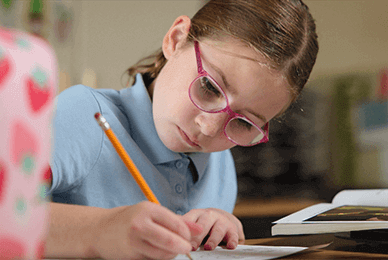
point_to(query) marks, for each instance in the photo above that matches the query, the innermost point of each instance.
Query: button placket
(178, 182)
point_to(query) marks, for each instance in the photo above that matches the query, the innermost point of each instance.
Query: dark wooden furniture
(338, 249)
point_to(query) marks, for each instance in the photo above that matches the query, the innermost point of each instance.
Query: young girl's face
(252, 88)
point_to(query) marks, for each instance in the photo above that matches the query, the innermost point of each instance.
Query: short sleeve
(77, 138)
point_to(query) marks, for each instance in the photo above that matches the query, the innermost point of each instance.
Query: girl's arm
(71, 230)
(144, 230)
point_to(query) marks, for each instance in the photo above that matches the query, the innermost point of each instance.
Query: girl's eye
(208, 87)
(244, 124)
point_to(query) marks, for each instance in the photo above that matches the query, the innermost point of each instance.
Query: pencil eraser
(97, 115)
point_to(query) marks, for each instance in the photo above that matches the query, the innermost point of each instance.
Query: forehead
(254, 84)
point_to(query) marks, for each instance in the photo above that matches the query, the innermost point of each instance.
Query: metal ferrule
(103, 123)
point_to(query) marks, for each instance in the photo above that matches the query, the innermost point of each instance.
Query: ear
(176, 35)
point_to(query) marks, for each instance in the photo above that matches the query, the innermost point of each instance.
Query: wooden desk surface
(272, 207)
(339, 249)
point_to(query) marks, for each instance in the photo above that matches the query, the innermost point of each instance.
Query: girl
(218, 80)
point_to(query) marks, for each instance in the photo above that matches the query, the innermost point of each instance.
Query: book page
(351, 213)
(306, 213)
(243, 252)
(366, 197)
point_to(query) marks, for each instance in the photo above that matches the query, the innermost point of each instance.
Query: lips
(187, 138)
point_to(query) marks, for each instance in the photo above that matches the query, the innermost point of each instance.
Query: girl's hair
(281, 30)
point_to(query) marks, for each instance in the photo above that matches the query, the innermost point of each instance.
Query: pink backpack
(28, 82)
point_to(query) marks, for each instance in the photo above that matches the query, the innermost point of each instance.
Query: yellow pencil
(127, 161)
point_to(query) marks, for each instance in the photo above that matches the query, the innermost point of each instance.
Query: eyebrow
(227, 86)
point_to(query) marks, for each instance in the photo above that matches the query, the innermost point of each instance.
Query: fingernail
(208, 246)
(194, 246)
(231, 245)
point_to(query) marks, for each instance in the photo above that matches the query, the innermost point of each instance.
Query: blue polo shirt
(88, 171)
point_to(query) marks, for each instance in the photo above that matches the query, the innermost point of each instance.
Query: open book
(350, 210)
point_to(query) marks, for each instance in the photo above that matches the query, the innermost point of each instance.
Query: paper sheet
(363, 197)
(243, 252)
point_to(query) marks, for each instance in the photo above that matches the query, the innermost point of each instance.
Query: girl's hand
(219, 225)
(143, 231)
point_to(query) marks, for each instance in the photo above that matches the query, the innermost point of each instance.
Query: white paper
(363, 197)
(243, 252)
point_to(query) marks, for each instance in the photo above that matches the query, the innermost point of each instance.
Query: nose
(211, 124)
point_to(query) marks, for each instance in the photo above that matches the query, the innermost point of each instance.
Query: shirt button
(178, 188)
(179, 164)
(179, 212)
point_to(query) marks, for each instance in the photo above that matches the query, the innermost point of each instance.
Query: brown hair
(282, 30)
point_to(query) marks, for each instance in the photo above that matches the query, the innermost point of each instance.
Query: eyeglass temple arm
(266, 131)
(198, 57)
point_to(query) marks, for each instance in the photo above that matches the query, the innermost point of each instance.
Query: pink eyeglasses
(208, 96)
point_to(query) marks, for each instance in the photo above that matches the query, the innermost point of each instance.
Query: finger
(232, 239)
(175, 223)
(217, 234)
(142, 248)
(206, 221)
(240, 231)
(150, 251)
(164, 239)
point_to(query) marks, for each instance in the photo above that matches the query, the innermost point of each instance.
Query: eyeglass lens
(206, 94)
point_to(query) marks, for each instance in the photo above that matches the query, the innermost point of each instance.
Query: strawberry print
(47, 175)
(23, 148)
(39, 90)
(3, 179)
(11, 248)
(23, 43)
(45, 184)
(20, 206)
(5, 67)
(6, 36)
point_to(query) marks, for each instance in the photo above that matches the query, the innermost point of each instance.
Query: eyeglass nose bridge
(231, 114)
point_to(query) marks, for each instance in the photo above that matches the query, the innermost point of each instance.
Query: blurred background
(334, 137)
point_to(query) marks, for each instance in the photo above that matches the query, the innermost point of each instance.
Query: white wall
(110, 36)
(353, 35)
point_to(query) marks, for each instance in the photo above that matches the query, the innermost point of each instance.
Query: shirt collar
(200, 161)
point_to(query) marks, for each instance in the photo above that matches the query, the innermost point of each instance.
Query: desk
(339, 249)
(271, 207)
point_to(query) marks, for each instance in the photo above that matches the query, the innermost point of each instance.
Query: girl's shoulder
(82, 93)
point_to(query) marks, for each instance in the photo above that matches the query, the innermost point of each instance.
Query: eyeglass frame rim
(231, 114)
